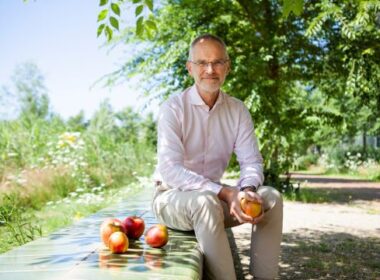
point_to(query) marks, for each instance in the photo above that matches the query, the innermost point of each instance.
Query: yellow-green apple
(135, 226)
(251, 208)
(157, 236)
(110, 226)
(118, 242)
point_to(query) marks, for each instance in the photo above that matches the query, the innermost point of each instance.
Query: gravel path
(339, 240)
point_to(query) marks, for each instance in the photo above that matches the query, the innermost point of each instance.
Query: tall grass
(43, 161)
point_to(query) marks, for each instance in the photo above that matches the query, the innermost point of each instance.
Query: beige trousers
(203, 212)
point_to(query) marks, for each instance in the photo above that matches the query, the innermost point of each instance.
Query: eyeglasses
(217, 64)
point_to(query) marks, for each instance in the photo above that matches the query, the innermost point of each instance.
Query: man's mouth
(210, 78)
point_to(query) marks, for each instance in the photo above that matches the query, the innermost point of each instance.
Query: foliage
(272, 68)
(109, 16)
(19, 225)
(303, 162)
(352, 160)
(349, 32)
(294, 73)
(47, 161)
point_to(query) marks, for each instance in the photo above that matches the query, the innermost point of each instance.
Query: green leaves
(151, 24)
(114, 22)
(100, 29)
(140, 26)
(111, 13)
(139, 10)
(109, 18)
(103, 2)
(149, 4)
(102, 15)
(295, 6)
(115, 8)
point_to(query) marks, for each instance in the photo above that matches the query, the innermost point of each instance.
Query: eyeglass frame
(214, 64)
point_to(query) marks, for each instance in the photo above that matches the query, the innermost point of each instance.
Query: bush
(352, 160)
(305, 161)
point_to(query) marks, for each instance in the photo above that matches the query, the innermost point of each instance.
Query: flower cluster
(68, 152)
(353, 161)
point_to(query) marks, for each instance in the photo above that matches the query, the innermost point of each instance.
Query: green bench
(76, 252)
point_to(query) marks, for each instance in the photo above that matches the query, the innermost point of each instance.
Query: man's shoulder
(175, 102)
(233, 101)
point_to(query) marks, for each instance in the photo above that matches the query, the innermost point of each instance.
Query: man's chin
(210, 87)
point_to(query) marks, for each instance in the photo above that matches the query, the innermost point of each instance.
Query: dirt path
(338, 240)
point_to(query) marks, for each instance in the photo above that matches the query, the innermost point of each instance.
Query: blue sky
(59, 36)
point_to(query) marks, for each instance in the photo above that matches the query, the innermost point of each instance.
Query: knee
(272, 197)
(208, 204)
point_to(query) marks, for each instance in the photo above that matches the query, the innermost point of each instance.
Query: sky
(59, 36)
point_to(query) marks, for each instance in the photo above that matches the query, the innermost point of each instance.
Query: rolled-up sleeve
(247, 152)
(170, 154)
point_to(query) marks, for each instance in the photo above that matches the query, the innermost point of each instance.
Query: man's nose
(210, 67)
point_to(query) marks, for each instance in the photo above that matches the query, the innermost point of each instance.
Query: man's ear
(228, 67)
(189, 68)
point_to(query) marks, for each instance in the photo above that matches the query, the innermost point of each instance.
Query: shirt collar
(196, 99)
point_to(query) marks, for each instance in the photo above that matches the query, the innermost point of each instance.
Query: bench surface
(76, 252)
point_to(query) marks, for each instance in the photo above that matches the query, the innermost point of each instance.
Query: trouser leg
(202, 212)
(266, 236)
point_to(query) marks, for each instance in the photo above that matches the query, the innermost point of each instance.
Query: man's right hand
(232, 196)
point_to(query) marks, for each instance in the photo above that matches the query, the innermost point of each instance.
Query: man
(198, 130)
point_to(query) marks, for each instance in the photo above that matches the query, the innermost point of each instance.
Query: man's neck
(209, 97)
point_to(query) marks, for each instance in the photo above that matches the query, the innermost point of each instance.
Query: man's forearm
(227, 192)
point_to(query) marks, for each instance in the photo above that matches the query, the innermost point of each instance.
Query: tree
(110, 15)
(31, 92)
(302, 77)
(349, 32)
(273, 66)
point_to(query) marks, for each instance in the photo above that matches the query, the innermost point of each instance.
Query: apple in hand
(135, 226)
(251, 208)
(110, 226)
(157, 236)
(118, 242)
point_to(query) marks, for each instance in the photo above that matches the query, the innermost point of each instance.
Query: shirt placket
(207, 141)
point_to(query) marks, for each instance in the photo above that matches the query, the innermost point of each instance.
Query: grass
(52, 174)
(25, 226)
(371, 173)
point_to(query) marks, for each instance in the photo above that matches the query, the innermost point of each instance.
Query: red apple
(110, 226)
(135, 226)
(157, 236)
(118, 242)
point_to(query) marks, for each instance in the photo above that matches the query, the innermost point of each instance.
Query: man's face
(209, 66)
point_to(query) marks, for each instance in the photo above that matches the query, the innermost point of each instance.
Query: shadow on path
(313, 254)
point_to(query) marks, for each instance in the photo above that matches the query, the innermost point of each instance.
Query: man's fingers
(241, 216)
(252, 196)
(258, 219)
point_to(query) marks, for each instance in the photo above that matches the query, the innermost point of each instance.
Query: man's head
(208, 63)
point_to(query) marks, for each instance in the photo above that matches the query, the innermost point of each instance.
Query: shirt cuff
(211, 186)
(249, 182)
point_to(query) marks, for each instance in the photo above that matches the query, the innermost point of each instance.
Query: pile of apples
(115, 233)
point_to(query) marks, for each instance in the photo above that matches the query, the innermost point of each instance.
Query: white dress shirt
(195, 143)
